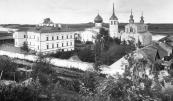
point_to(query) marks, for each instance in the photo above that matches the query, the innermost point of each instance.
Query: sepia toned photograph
(86, 50)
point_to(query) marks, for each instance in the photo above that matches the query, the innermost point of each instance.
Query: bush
(63, 55)
(86, 55)
(25, 47)
(7, 68)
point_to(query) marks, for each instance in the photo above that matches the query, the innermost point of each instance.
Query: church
(90, 33)
(137, 32)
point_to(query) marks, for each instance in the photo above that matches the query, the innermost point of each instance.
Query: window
(67, 43)
(37, 38)
(47, 46)
(47, 38)
(131, 29)
(24, 36)
(57, 37)
(71, 43)
(62, 37)
(67, 36)
(71, 36)
(52, 38)
(38, 47)
(52, 45)
(57, 45)
(62, 44)
(114, 22)
(34, 36)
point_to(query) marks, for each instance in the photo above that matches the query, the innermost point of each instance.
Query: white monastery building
(46, 38)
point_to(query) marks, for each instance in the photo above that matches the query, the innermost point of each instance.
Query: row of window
(31, 37)
(57, 45)
(62, 37)
(113, 22)
(47, 38)
(130, 30)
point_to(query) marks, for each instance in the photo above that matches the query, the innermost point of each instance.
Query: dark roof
(167, 39)
(150, 52)
(113, 17)
(98, 19)
(45, 29)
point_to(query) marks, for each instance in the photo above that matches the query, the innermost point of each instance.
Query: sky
(83, 11)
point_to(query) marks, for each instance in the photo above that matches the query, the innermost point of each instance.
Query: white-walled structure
(90, 33)
(137, 32)
(46, 39)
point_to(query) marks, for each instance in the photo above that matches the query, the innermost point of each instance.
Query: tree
(114, 53)
(25, 47)
(86, 55)
(117, 40)
(43, 70)
(130, 86)
(7, 68)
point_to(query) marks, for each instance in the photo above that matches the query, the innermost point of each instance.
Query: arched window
(131, 29)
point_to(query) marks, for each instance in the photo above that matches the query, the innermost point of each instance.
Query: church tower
(113, 25)
(131, 20)
(142, 19)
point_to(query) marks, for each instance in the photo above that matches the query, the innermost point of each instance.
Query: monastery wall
(54, 61)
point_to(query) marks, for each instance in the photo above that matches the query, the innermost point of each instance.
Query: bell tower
(113, 25)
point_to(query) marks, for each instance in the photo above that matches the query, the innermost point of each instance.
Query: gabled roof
(152, 51)
(49, 29)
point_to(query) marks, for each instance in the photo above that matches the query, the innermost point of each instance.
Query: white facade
(113, 29)
(137, 32)
(20, 37)
(45, 42)
(90, 34)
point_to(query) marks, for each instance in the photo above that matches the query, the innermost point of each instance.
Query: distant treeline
(154, 28)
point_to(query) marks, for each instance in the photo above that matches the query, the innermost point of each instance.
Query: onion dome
(98, 19)
(113, 17)
(131, 20)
